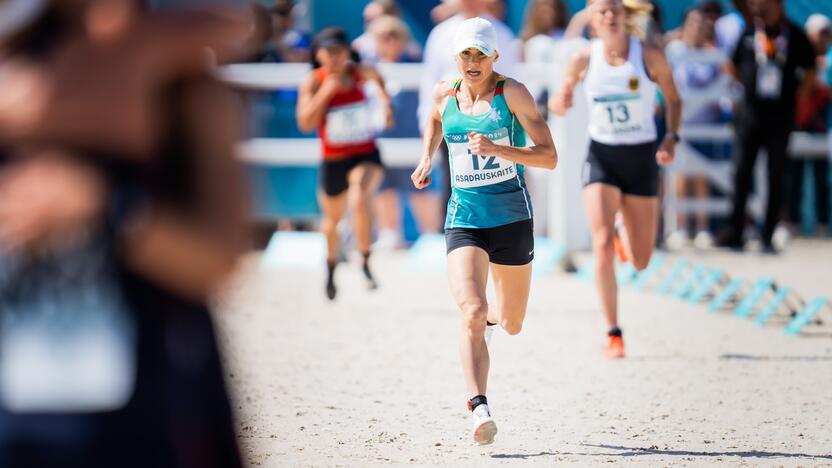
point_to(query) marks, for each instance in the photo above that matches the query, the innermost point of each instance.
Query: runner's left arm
(521, 103)
(659, 71)
(373, 75)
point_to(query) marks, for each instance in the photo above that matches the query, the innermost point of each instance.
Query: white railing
(557, 194)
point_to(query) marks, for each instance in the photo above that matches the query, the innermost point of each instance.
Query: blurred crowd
(708, 35)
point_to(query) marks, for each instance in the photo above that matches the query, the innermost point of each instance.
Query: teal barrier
(688, 283)
(644, 277)
(772, 306)
(711, 280)
(677, 270)
(805, 316)
(746, 305)
(428, 254)
(725, 295)
(547, 255)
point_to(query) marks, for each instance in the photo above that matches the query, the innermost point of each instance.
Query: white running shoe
(703, 240)
(484, 427)
(489, 332)
(677, 240)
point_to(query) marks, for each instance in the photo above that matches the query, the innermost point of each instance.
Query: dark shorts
(334, 173)
(631, 168)
(509, 244)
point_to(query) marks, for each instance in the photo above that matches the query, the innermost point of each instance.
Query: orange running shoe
(618, 245)
(615, 348)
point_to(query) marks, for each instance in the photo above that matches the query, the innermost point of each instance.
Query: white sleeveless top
(621, 99)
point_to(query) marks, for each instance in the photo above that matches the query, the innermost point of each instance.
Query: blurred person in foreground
(812, 104)
(121, 212)
(392, 36)
(439, 65)
(772, 60)
(367, 43)
(694, 75)
(332, 101)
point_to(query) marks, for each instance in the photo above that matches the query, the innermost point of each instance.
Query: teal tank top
(486, 191)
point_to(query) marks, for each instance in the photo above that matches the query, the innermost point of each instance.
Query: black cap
(329, 37)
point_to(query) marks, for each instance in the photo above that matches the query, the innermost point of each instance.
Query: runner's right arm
(561, 101)
(432, 136)
(313, 99)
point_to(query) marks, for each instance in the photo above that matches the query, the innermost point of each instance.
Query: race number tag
(349, 124)
(617, 114)
(474, 170)
(769, 80)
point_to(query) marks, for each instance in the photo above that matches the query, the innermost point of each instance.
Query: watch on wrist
(673, 136)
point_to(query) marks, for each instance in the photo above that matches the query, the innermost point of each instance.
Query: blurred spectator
(449, 8)
(544, 17)
(772, 59)
(367, 43)
(812, 103)
(288, 42)
(392, 36)
(122, 211)
(439, 62)
(729, 28)
(711, 11)
(692, 76)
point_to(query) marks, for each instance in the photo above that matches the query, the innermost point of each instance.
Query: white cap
(817, 22)
(477, 33)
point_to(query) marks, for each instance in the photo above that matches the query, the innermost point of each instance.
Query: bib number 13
(618, 113)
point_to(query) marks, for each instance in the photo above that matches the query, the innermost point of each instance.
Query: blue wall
(347, 14)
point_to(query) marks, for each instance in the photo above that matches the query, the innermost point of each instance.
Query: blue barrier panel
(547, 255)
(805, 316)
(711, 280)
(625, 273)
(290, 250)
(667, 284)
(771, 307)
(428, 254)
(644, 277)
(746, 306)
(685, 286)
(725, 295)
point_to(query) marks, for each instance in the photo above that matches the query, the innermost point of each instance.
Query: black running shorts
(334, 173)
(631, 168)
(509, 244)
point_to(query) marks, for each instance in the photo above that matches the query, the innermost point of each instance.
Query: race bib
(769, 80)
(349, 124)
(475, 170)
(617, 114)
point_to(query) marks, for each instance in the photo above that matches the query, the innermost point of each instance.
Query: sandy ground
(374, 378)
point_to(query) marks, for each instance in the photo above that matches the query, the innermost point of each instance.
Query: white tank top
(621, 99)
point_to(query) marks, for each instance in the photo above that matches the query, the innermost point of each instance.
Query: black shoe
(330, 289)
(769, 249)
(368, 276)
(729, 239)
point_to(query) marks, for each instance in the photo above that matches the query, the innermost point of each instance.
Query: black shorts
(631, 168)
(509, 244)
(334, 173)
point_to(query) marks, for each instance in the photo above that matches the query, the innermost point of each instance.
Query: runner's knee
(474, 314)
(602, 244)
(641, 260)
(512, 327)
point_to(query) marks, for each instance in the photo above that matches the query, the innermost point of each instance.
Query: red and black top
(346, 130)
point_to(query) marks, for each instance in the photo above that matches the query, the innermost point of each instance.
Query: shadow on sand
(640, 451)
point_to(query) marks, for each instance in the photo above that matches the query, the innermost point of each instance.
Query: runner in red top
(331, 100)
